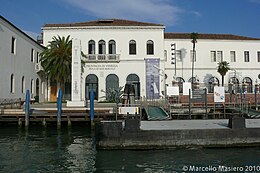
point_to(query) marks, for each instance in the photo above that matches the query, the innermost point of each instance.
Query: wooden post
(69, 122)
(44, 124)
(20, 123)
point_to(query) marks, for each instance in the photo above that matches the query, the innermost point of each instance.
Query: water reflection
(73, 150)
(46, 150)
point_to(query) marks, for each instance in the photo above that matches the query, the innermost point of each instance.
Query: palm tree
(194, 37)
(56, 59)
(223, 68)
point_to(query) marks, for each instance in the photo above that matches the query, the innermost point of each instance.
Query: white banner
(173, 91)
(186, 88)
(130, 110)
(219, 94)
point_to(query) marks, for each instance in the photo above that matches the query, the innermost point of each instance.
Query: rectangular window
(232, 56)
(13, 45)
(178, 56)
(219, 56)
(258, 56)
(213, 56)
(150, 47)
(246, 56)
(132, 49)
(37, 57)
(165, 55)
(192, 55)
(32, 55)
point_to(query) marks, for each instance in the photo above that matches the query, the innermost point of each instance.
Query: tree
(194, 37)
(56, 59)
(223, 68)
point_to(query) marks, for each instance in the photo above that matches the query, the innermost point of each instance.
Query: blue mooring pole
(92, 108)
(256, 104)
(59, 108)
(27, 108)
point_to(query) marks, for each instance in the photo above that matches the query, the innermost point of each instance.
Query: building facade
(19, 56)
(122, 51)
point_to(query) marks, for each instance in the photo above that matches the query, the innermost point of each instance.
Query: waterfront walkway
(194, 124)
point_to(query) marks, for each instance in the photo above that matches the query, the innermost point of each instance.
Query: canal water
(44, 150)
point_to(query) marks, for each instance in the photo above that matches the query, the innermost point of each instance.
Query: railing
(101, 58)
(15, 102)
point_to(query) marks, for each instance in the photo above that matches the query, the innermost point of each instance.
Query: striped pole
(92, 108)
(59, 108)
(27, 108)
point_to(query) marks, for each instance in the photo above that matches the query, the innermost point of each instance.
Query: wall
(109, 135)
(19, 64)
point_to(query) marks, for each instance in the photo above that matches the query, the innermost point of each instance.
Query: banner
(219, 94)
(173, 91)
(152, 78)
(186, 88)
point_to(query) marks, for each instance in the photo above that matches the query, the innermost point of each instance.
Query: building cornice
(103, 27)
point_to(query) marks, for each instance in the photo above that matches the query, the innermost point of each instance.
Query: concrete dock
(194, 124)
(146, 135)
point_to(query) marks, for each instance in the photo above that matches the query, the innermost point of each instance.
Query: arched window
(12, 83)
(112, 50)
(248, 82)
(180, 81)
(112, 47)
(150, 47)
(112, 83)
(235, 82)
(132, 47)
(192, 79)
(101, 50)
(37, 87)
(213, 81)
(23, 85)
(91, 47)
(101, 47)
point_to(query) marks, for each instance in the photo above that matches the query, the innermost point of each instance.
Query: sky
(238, 17)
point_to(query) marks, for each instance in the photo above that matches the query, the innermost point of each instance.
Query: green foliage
(194, 36)
(223, 68)
(114, 95)
(56, 59)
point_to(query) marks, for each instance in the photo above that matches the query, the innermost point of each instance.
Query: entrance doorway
(134, 79)
(91, 84)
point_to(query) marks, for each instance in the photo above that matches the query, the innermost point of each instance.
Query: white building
(19, 55)
(121, 51)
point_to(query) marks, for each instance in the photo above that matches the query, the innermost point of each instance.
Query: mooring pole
(92, 108)
(256, 104)
(190, 103)
(59, 108)
(27, 108)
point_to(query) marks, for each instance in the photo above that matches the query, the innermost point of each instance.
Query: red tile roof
(105, 22)
(172, 35)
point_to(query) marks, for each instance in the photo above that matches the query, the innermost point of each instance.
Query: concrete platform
(194, 124)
